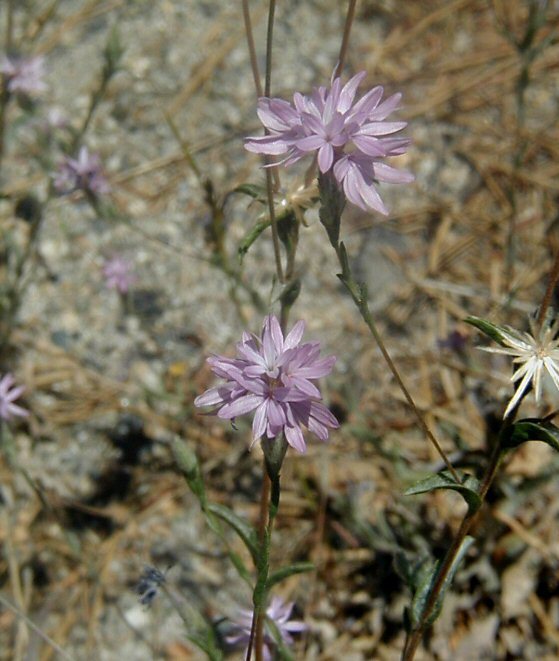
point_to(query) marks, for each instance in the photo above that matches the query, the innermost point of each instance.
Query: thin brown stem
(548, 296)
(345, 39)
(269, 47)
(448, 562)
(310, 173)
(368, 319)
(468, 521)
(9, 25)
(272, 177)
(251, 48)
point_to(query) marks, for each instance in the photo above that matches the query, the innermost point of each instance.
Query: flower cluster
(272, 376)
(349, 138)
(118, 274)
(279, 613)
(82, 173)
(8, 395)
(23, 75)
(535, 354)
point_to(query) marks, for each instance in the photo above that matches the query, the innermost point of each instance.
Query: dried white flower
(535, 354)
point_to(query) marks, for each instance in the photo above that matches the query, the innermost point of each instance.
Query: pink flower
(23, 74)
(8, 395)
(349, 138)
(84, 173)
(277, 611)
(273, 377)
(119, 274)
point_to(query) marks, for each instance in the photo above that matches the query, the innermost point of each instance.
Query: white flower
(533, 353)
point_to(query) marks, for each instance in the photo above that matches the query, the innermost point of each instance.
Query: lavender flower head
(272, 376)
(82, 173)
(8, 394)
(23, 75)
(349, 138)
(279, 613)
(119, 274)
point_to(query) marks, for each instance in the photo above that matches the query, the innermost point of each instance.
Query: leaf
(494, 331)
(287, 571)
(251, 237)
(532, 429)
(187, 461)
(332, 202)
(468, 488)
(245, 531)
(252, 190)
(426, 579)
(283, 650)
(207, 643)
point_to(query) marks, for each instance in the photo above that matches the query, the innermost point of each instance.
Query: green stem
(546, 302)
(359, 298)
(468, 521)
(345, 39)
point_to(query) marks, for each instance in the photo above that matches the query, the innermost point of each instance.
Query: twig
(55, 646)
(345, 39)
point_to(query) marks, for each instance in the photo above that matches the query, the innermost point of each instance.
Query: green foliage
(251, 237)
(187, 461)
(468, 488)
(532, 429)
(245, 531)
(252, 190)
(283, 651)
(287, 571)
(425, 579)
(113, 53)
(494, 331)
(332, 202)
(189, 466)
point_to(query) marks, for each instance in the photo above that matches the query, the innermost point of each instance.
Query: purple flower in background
(273, 376)
(83, 173)
(8, 394)
(349, 138)
(279, 613)
(23, 74)
(119, 274)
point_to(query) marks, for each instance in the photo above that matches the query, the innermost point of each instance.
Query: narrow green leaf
(287, 571)
(332, 202)
(532, 429)
(426, 580)
(208, 644)
(251, 237)
(284, 653)
(252, 190)
(245, 531)
(494, 331)
(468, 488)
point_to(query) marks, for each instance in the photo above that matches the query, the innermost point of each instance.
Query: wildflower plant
(9, 393)
(347, 137)
(85, 173)
(119, 274)
(23, 75)
(273, 377)
(279, 627)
